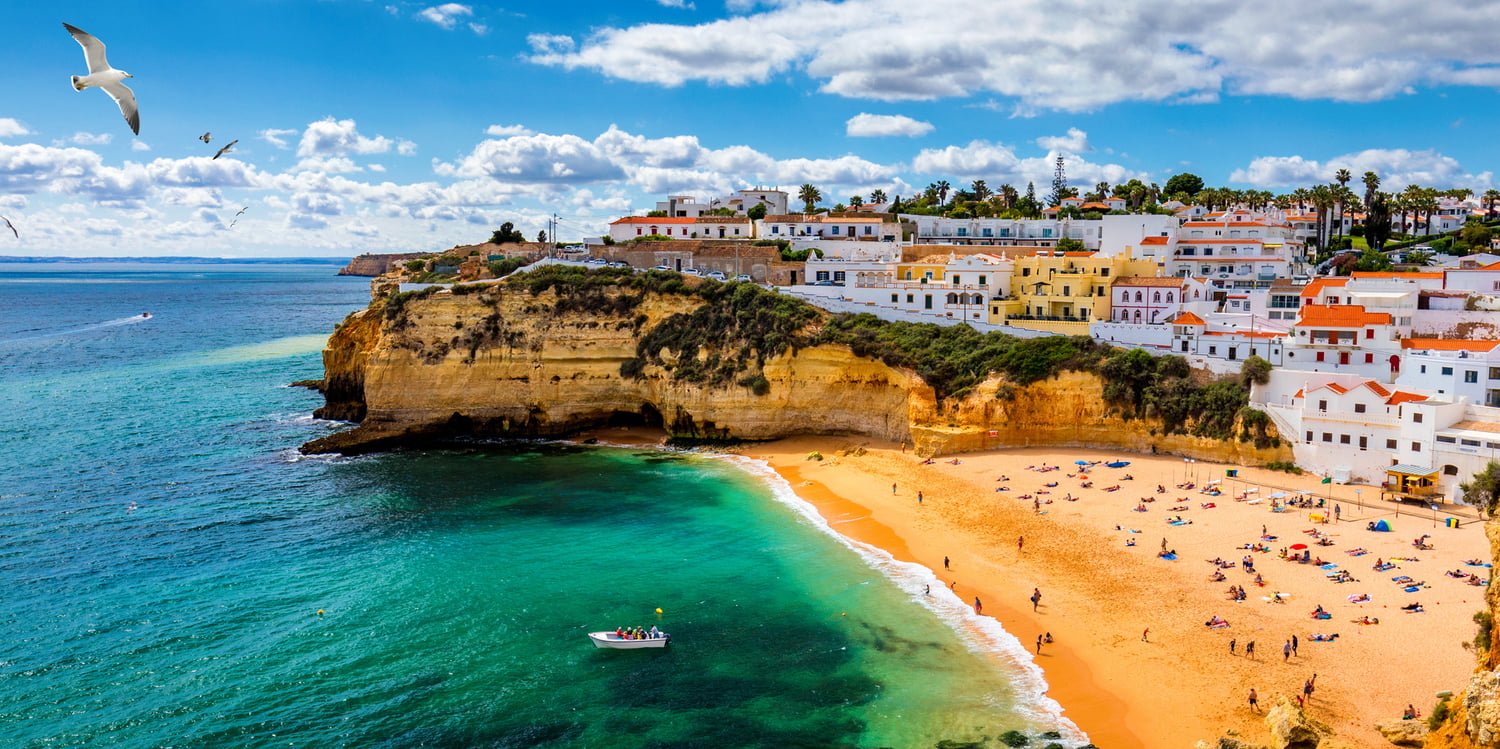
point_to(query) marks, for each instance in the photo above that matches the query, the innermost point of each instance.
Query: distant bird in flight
(101, 75)
(225, 149)
(11, 226)
(242, 211)
(206, 137)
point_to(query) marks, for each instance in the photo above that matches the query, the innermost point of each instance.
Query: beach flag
(1327, 480)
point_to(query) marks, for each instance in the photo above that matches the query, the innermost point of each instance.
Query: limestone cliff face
(1474, 720)
(374, 265)
(504, 362)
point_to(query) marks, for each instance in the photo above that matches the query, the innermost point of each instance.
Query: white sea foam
(981, 633)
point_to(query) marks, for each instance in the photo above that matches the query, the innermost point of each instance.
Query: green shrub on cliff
(737, 329)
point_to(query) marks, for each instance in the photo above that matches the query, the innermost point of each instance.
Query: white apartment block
(1452, 368)
(702, 227)
(823, 226)
(1003, 232)
(1236, 250)
(687, 206)
(943, 285)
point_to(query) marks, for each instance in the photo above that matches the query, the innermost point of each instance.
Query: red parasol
(1297, 547)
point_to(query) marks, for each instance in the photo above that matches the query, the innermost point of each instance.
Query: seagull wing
(206, 137)
(11, 226)
(93, 49)
(123, 96)
(225, 149)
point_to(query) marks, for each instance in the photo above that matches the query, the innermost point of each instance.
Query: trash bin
(1231, 472)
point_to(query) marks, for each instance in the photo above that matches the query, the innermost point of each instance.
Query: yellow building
(1062, 292)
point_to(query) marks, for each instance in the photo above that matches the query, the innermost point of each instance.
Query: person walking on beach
(1146, 635)
(1254, 700)
(1231, 646)
(927, 590)
(1036, 597)
(1307, 689)
(893, 488)
(1250, 650)
(1294, 644)
(919, 497)
(1336, 512)
(1020, 543)
(1286, 651)
(945, 563)
(978, 607)
(1038, 644)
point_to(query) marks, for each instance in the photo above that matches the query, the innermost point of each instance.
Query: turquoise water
(165, 553)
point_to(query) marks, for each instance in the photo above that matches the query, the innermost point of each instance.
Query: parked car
(716, 275)
(825, 282)
(691, 272)
(743, 277)
(619, 264)
(660, 267)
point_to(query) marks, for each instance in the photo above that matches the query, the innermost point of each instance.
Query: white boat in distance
(612, 640)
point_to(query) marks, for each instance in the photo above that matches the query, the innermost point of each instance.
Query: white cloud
(998, 163)
(91, 139)
(1397, 167)
(332, 165)
(330, 137)
(479, 29)
(502, 131)
(139, 145)
(10, 128)
(276, 137)
(1076, 141)
(683, 4)
(446, 15)
(864, 125)
(1071, 55)
(361, 229)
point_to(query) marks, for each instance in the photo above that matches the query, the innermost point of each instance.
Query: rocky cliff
(1473, 720)
(374, 265)
(505, 361)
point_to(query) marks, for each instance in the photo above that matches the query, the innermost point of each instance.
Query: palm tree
(1009, 195)
(1322, 200)
(942, 191)
(1372, 183)
(856, 201)
(1490, 198)
(981, 190)
(809, 196)
(1342, 176)
(877, 197)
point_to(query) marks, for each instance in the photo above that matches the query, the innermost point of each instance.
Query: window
(1364, 442)
(1025, 272)
(1124, 297)
(1138, 296)
(1327, 437)
(909, 298)
(1416, 447)
(1322, 405)
(1369, 358)
(1471, 375)
(1320, 356)
(1104, 272)
(1447, 370)
(1343, 439)
(981, 281)
(1067, 291)
(1213, 350)
(1390, 444)
(1359, 408)
(1469, 443)
(927, 301)
(1446, 440)
(1369, 333)
(1424, 369)
(1495, 371)
(1450, 470)
(870, 230)
(1309, 437)
(1156, 297)
(893, 298)
(1416, 417)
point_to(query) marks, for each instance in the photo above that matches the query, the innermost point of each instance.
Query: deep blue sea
(174, 574)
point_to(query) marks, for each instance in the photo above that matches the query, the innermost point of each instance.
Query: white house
(702, 227)
(1345, 338)
(1236, 249)
(1452, 368)
(824, 226)
(1149, 300)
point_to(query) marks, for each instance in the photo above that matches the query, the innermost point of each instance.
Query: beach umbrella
(1297, 547)
(1277, 495)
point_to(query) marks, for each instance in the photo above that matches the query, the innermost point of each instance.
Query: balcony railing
(1048, 318)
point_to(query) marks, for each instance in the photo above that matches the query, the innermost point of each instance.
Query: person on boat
(619, 633)
(655, 633)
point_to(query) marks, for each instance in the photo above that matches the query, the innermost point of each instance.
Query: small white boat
(612, 640)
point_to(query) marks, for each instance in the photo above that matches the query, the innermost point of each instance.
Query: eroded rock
(1404, 732)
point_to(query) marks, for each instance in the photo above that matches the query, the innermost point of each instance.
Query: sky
(391, 126)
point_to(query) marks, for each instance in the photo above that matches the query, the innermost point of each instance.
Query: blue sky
(369, 126)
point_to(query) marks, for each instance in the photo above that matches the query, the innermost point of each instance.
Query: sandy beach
(1100, 594)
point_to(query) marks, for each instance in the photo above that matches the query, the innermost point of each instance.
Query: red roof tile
(1188, 318)
(1341, 316)
(1448, 344)
(1399, 397)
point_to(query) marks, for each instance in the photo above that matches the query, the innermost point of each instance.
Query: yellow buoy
(320, 612)
(658, 610)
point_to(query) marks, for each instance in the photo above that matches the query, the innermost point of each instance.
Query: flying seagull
(206, 137)
(103, 76)
(225, 149)
(11, 226)
(242, 211)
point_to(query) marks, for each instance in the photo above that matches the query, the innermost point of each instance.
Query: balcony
(1048, 318)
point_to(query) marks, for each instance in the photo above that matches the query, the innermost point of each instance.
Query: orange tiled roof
(1399, 397)
(656, 220)
(1341, 316)
(1164, 240)
(1393, 274)
(1448, 344)
(1188, 318)
(1377, 388)
(1317, 285)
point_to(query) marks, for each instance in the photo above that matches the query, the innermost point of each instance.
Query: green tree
(856, 201)
(1372, 183)
(1419, 257)
(506, 234)
(656, 214)
(1483, 491)
(981, 190)
(756, 212)
(541, 236)
(1255, 370)
(1068, 244)
(877, 197)
(1476, 235)
(942, 188)
(1186, 182)
(1377, 219)
(810, 196)
(1373, 260)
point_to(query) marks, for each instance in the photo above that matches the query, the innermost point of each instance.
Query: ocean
(176, 574)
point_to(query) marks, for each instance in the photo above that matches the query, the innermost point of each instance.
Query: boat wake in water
(133, 319)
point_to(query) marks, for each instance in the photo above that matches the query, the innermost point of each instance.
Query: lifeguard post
(1409, 483)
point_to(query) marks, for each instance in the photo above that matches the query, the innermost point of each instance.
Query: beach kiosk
(1409, 483)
